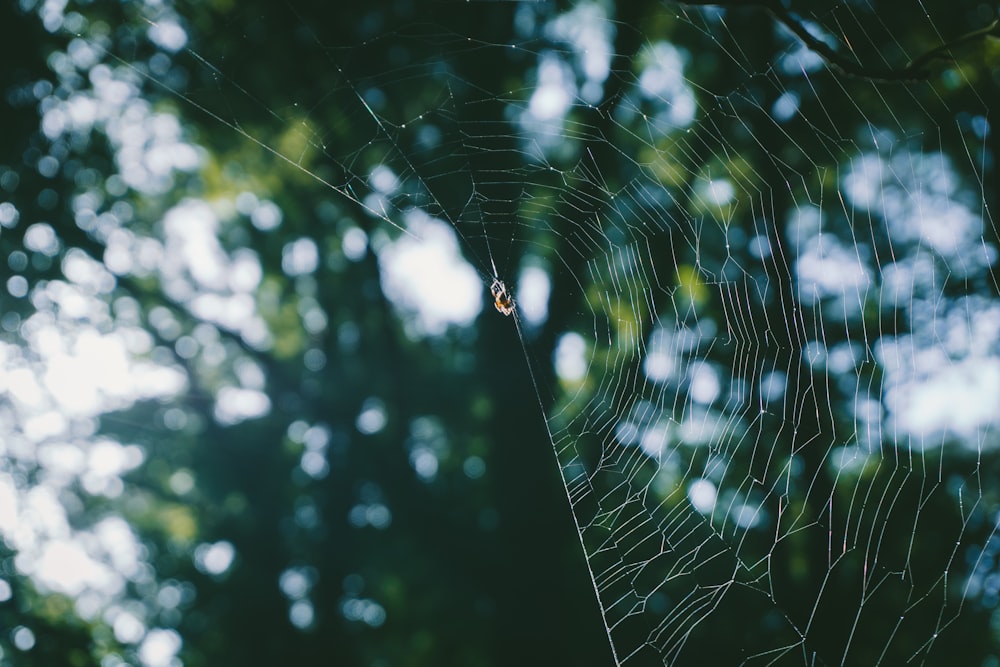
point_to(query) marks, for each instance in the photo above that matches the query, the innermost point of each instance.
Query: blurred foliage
(393, 568)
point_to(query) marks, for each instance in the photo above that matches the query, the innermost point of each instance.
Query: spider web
(756, 295)
(757, 323)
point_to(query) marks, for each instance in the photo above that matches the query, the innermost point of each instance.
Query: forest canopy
(491, 333)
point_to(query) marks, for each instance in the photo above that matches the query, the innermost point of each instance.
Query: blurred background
(257, 406)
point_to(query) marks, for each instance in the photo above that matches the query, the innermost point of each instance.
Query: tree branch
(916, 70)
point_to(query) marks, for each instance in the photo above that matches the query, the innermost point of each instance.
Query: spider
(504, 302)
